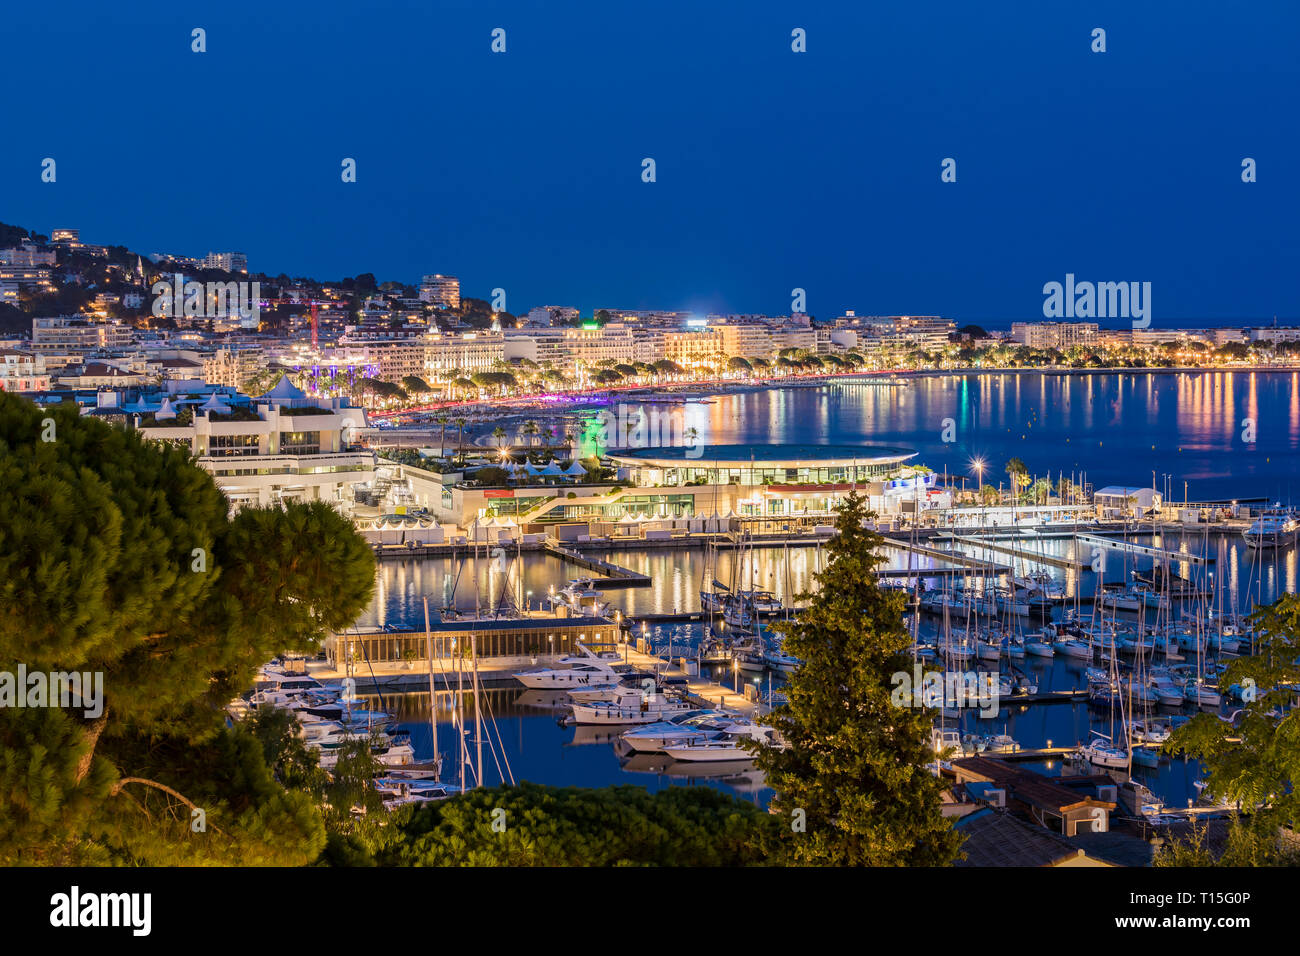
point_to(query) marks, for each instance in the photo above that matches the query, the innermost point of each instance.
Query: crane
(315, 321)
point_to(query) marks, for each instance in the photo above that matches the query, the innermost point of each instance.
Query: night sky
(775, 169)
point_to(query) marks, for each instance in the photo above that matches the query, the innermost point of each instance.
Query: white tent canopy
(215, 404)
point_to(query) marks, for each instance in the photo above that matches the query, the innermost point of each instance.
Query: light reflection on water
(1119, 428)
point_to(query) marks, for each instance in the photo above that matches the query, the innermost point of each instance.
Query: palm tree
(499, 434)
(442, 420)
(530, 429)
(460, 438)
(1019, 476)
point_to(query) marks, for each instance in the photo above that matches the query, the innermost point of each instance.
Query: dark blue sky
(775, 170)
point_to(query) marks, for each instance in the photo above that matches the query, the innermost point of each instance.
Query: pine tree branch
(95, 728)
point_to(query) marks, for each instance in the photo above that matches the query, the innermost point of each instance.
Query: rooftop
(787, 455)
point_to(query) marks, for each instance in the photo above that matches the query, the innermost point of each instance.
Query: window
(300, 443)
(232, 446)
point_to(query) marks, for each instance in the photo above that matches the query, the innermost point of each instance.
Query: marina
(1090, 633)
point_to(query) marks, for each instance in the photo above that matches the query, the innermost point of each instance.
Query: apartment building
(397, 358)
(27, 277)
(899, 331)
(226, 261)
(545, 316)
(22, 371)
(230, 367)
(27, 254)
(1054, 335)
(77, 334)
(440, 290)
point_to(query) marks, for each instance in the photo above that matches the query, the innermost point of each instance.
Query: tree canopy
(854, 775)
(568, 826)
(118, 557)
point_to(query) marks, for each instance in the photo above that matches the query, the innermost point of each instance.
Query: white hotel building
(296, 449)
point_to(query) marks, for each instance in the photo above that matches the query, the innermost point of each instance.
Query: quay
(1068, 564)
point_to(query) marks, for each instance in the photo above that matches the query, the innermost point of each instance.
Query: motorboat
(688, 726)
(586, 670)
(650, 708)
(731, 746)
(582, 598)
(1275, 528)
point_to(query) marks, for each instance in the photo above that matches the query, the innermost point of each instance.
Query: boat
(1202, 694)
(945, 739)
(1073, 647)
(1040, 646)
(398, 790)
(582, 598)
(1146, 757)
(587, 670)
(1100, 752)
(1000, 744)
(779, 661)
(1275, 528)
(749, 655)
(728, 748)
(764, 602)
(649, 709)
(687, 726)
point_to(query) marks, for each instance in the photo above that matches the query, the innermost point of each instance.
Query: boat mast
(433, 702)
(478, 712)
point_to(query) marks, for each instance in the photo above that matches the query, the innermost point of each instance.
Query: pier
(612, 575)
(1143, 549)
(952, 557)
(1068, 564)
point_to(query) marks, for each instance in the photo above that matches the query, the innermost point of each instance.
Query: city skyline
(775, 170)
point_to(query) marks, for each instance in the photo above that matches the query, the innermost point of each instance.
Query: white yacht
(688, 727)
(646, 708)
(728, 747)
(587, 670)
(1273, 529)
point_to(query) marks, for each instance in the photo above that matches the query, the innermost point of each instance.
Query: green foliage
(551, 826)
(1251, 841)
(1255, 763)
(856, 764)
(117, 556)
